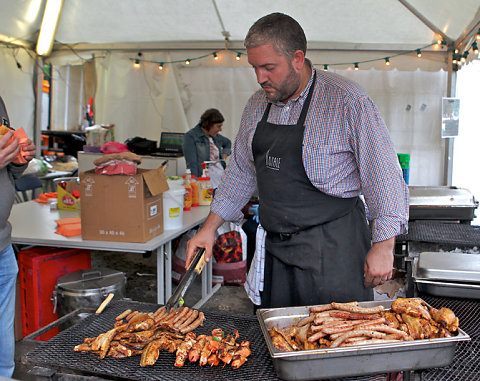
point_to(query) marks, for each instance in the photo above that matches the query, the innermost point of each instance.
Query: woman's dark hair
(211, 117)
(282, 31)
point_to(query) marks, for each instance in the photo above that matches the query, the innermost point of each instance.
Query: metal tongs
(196, 267)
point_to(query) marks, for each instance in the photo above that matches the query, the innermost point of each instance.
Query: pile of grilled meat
(347, 324)
(145, 334)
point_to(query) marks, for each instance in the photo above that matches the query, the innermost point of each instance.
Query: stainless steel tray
(447, 196)
(352, 361)
(454, 290)
(447, 267)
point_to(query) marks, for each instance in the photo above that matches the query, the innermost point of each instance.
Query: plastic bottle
(194, 184)
(205, 187)
(187, 203)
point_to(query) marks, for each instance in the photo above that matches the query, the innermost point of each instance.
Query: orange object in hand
(22, 140)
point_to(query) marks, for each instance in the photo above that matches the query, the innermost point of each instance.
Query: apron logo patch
(272, 162)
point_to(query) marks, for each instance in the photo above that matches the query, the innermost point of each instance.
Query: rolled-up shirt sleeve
(239, 180)
(382, 183)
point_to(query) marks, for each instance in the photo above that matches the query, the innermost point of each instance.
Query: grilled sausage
(195, 324)
(357, 309)
(123, 314)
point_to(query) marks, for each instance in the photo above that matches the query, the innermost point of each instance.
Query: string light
(475, 47)
(439, 41)
(238, 55)
(464, 57)
(478, 35)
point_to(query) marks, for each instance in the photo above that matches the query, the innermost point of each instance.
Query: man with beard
(311, 142)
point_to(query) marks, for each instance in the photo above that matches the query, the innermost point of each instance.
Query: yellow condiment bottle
(205, 191)
(187, 198)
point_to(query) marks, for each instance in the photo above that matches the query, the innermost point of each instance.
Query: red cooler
(39, 269)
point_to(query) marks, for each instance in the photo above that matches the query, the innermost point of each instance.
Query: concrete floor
(142, 283)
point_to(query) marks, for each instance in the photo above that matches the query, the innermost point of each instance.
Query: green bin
(404, 159)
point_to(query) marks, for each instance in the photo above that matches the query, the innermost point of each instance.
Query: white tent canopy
(142, 102)
(328, 24)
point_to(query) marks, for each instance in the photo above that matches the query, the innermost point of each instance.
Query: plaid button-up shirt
(347, 152)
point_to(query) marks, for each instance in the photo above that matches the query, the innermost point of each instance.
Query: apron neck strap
(303, 115)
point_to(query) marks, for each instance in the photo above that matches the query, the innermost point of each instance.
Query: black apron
(316, 243)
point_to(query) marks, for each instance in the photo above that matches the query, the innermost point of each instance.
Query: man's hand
(379, 263)
(8, 152)
(204, 238)
(29, 150)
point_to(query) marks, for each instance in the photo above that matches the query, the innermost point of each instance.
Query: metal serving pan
(454, 290)
(361, 360)
(441, 203)
(440, 196)
(447, 267)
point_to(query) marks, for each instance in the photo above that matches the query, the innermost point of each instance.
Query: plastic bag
(36, 167)
(230, 244)
(141, 146)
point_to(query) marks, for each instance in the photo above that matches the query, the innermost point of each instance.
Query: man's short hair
(282, 31)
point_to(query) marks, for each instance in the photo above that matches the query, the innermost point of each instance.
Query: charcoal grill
(442, 233)
(58, 354)
(466, 363)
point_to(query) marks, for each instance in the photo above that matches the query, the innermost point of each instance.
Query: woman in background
(204, 143)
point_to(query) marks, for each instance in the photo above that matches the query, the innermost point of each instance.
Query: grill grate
(466, 364)
(58, 351)
(444, 233)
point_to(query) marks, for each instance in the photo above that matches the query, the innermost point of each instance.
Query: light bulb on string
(238, 56)
(475, 47)
(187, 61)
(215, 57)
(160, 66)
(439, 41)
(419, 53)
(325, 67)
(387, 61)
(456, 51)
(464, 56)
(355, 66)
(454, 58)
(478, 35)
(136, 64)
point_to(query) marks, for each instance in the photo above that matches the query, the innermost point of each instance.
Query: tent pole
(38, 85)
(449, 142)
(427, 22)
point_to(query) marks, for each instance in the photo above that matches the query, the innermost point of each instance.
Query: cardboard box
(121, 207)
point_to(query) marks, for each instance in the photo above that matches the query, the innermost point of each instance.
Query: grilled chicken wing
(445, 317)
(413, 307)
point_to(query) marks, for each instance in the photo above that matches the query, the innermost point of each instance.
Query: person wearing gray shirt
(10, 169)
